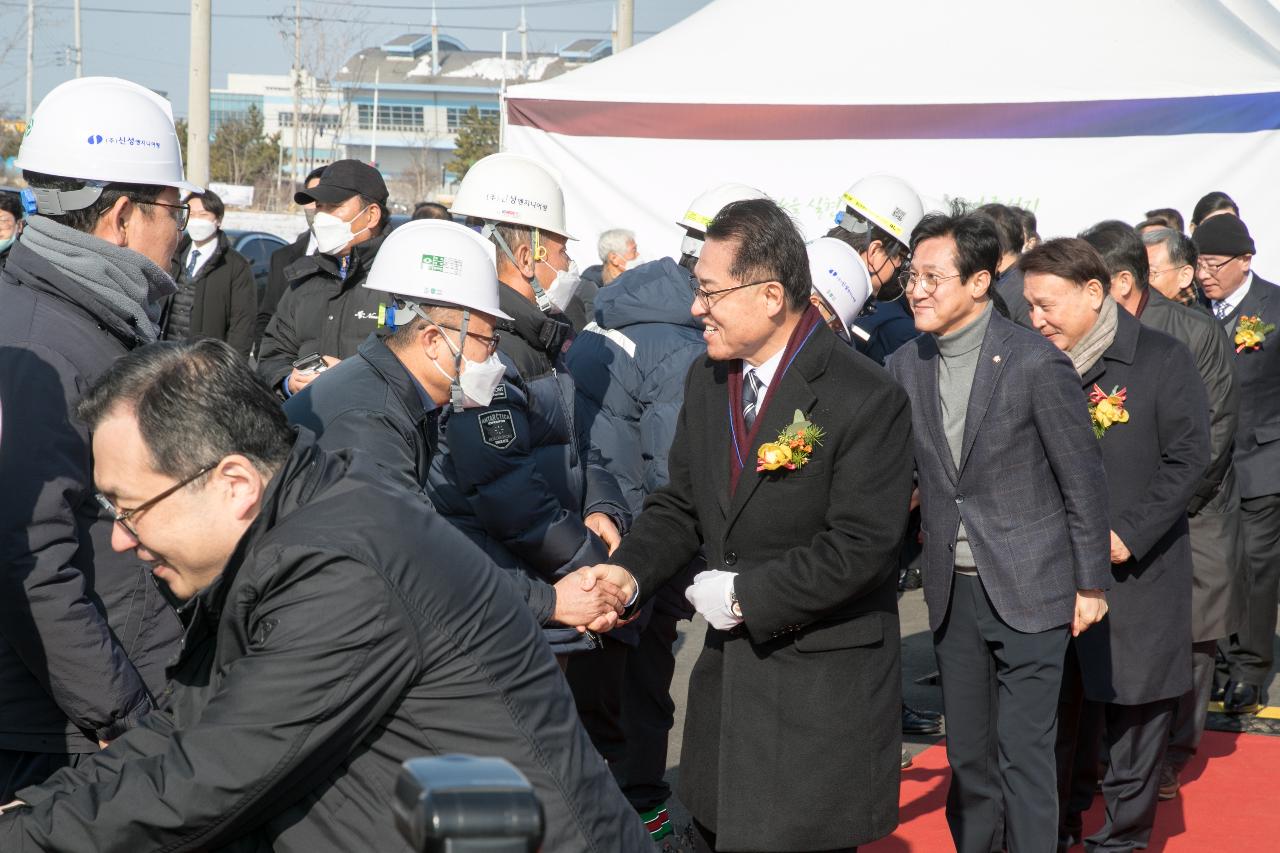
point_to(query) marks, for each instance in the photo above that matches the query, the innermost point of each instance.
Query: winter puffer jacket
(516, 476)
(630, 366)
(327, 653)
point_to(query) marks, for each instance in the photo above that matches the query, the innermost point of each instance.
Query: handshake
(594, 598)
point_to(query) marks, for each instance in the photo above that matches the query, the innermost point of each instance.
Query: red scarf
(740, 452)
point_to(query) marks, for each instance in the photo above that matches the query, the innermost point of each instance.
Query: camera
(466, 804)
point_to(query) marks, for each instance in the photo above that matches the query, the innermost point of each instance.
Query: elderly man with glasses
(1247, 306)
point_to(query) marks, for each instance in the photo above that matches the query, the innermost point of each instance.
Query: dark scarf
(742, 454)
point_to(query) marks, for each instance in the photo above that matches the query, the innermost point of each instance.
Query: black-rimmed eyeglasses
(123, 518)
(183, 214)
(1214, 269)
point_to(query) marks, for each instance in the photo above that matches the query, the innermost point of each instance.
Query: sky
(147, 40)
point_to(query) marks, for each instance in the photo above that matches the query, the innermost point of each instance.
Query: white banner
(1070, 184)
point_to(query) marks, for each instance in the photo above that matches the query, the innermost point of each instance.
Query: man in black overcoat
(1238, 297)
(1151, 415)
(791, 737)
(1213, 516)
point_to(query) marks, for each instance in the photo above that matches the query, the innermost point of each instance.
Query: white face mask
(478, 379)
(333, 233)
(562, 290)
(201, 229)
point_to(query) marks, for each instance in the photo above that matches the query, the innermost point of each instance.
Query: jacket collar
(361, 261)
(375, 351)
(31, 270)
(1123, 349)
(543, 332)
(306, 472)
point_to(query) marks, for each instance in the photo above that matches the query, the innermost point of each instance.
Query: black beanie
(1223, 234)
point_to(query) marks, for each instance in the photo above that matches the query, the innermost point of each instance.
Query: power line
(281, 18)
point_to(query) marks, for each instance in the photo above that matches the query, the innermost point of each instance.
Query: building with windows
(321, 112)
(404, 101)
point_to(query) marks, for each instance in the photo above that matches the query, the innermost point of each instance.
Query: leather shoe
(1218, 693)
(917, 723)
(906, 759)
(1243, 698)
(1169, 783)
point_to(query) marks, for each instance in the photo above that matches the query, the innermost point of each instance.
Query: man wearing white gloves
(791, 469)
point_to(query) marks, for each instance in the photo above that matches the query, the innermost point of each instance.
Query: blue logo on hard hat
(95, 139)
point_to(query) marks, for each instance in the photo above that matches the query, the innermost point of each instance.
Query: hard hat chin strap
(491, 230)
(51, 202)
(456, 398)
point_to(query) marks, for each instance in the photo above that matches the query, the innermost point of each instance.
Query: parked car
(257, 247)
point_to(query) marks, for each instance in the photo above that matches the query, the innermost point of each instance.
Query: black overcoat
(792, 733)
(1141, 652)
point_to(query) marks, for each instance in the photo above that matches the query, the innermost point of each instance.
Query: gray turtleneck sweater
(957, 365)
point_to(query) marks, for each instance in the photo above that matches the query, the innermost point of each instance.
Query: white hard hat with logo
(885, 201)
(840, 278)
(512, 189)
(436, 262)
(704, 208)
(101, 130)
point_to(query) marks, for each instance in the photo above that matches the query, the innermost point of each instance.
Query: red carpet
(1228, 801)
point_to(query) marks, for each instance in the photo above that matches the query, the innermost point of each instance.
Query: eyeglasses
(183, 214)
(1214, 269)
(491, 343)
(1153, 272)
(927, 282)
(122, 518)
(710, 297)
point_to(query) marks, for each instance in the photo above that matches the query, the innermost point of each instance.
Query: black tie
(191, 263)
(750, 396)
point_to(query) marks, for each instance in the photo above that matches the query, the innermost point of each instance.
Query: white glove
(710, 596)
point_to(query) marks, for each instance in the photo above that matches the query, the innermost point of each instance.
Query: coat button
(951, 547)
(959, 499)
(730, 558)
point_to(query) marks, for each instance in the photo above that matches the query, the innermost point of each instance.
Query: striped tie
(750, 396)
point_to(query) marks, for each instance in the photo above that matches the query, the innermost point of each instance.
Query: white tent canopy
(1078, 111)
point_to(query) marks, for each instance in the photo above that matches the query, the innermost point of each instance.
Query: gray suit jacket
(1030, 486)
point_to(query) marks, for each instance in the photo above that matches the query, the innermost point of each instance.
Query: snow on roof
(492, 68)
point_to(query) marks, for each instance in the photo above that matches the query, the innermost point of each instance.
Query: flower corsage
(1107, 409)
(1251, 332)
(793, 447)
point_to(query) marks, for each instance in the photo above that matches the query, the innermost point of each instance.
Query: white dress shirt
(1233, 301)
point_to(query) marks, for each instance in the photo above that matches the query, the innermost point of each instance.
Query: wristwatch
(734, 607)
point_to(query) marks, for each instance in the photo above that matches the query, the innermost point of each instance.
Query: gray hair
(614, 240)
(1182, 251)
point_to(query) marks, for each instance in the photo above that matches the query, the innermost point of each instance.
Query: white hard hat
(436, 262)
(512, 189)
(101, 130)
(885, 201)
(840, 278)
(704, 208)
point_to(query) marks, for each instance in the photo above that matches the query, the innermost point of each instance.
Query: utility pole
(31, 55)
(626, 23)
(198, 93)
(79, 43)
(297, 90)
(373, 148)
(524, 46)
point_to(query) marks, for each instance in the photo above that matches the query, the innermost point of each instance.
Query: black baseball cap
(343, 179)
